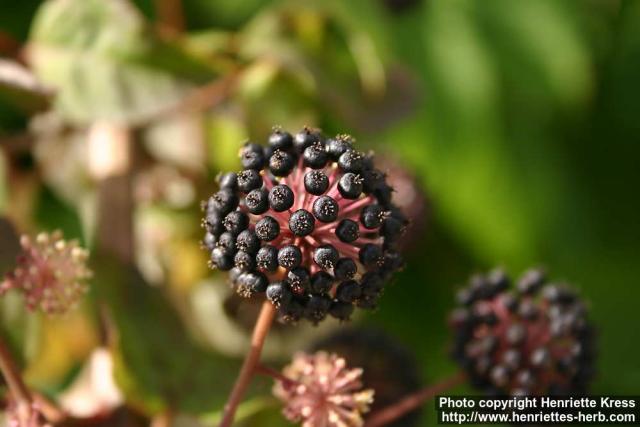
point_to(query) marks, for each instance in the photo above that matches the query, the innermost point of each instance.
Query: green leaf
(105, 63)
(20, 89)
(547, 51)
(53, 214)
(15, 20)
(156, 363)
(202, 14)
(21, 95)
(483, 138)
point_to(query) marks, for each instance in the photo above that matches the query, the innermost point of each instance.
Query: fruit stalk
(17, 387)
(260, 331)
(413, 401)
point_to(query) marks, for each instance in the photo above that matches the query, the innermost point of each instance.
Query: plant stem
(413, 401)
(17, 387)
(260, 331)
(20, 393)
(170, 17)
(111, 158)
(270, 372)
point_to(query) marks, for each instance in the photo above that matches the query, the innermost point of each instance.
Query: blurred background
(511, 130)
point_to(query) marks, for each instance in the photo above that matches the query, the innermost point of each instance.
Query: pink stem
(330, 227)
(346, 208)
(365, 240)
(312, 241)
(260, 331)
(343, 247)
(413, 401)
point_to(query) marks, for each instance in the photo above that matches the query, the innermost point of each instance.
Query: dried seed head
(323, 391)
(534, 340)
(50, 272)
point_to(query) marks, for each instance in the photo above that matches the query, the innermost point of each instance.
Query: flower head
(50, 272)
(534, 340)
(389, 368)
(309, 222)
(323, 392)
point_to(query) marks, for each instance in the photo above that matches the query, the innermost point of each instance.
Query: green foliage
(106, 64)
(20, 95)
(157, 365)
(53, 214)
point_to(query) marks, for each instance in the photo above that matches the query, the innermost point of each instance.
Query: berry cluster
(534, 340)
(309, 222)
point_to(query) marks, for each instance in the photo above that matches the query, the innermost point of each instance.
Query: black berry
(248, 241)
(279, 294)
(236, 221)
(326, 256)
(281, 163)
(321, 282)
(316, 182)
(370, 254)
(244, 261)
(229, 181)
(298, 279)
(373, 180)
(281, 198)
(291, 312)
(227, 241)
(348, 291)
(339, 145)
(341, 310)
(348, 231)
(372, 216)
(315, 156)
(213, 222)
(350, 185)
(252, 156)
(267, 229)
(267, 258)
(280, 140)
(351, 161)
(221, 259)
(257, 201)
(345, 269)
(251, 283)
(224, 201)
(317, 308)
(325, 209)
(209, 241)
(249, 180)
(301, 222)
(289, 257)
(305, 138)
